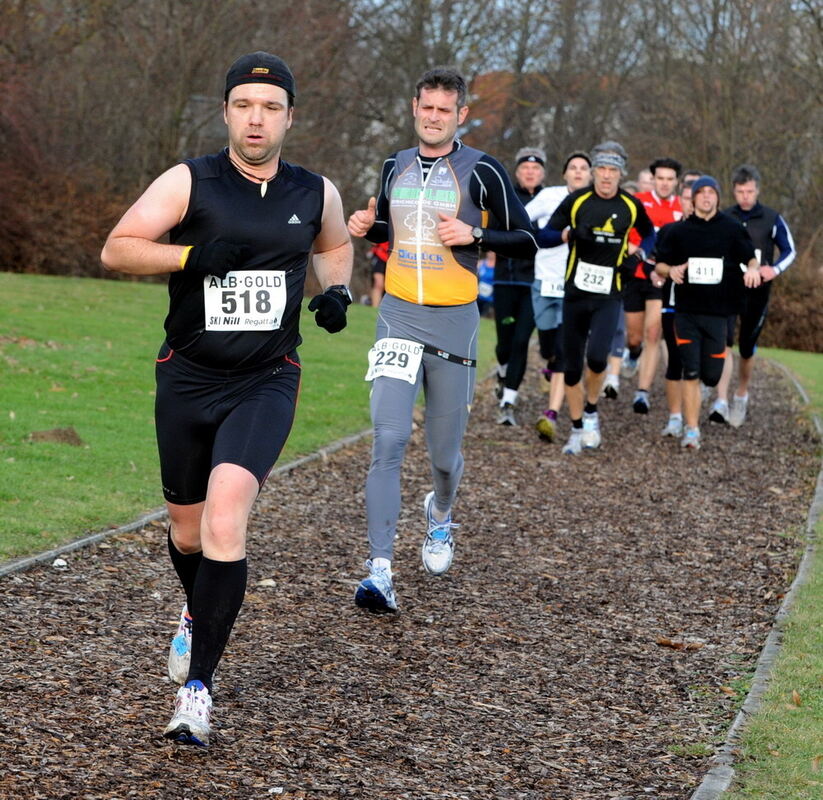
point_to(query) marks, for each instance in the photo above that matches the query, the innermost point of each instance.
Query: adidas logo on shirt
(295, 220)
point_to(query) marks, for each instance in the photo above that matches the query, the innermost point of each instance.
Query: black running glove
(217, 258)
(330, 308)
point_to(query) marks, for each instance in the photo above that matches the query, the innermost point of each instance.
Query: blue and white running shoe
(376, 593)
(438, 546)
(590, 438)
(191, 723)
(691, 439)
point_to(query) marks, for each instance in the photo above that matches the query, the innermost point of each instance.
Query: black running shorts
(637, 291)
(701, 340)
(205, 417)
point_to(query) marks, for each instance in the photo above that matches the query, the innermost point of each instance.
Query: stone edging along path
(720, 776)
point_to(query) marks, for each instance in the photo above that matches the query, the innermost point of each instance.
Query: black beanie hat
(260, 67)
(575, 154)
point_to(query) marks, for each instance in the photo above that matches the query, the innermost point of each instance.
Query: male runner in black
(241, 225)
(595, 221)
(769, 231)
(702, 255)
(513, 279)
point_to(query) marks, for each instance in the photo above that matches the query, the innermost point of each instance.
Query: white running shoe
(438, 546)
(376, 593)
(628, 367)
(574, 447)
(674, 428)
(591, 431)
(192, 715)
(719, 412)
(506, 415)
(180, 650)
(691, 439)
(611, 387)
(737, 416)
(641, 404)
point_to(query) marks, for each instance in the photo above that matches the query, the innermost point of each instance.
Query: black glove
(582, 233)
(628, 269)
(331, 310)
(217, 258)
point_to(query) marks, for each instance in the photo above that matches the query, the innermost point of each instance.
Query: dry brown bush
(795, 320)
(56, 225)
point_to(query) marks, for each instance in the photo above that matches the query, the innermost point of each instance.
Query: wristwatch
(477, 233)
(343, 291)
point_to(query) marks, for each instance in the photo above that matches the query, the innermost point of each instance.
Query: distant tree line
(100, 96)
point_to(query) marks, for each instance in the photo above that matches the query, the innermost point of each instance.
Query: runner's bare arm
(669, 271)
(132, 246)
(752, 277)
(333, 252)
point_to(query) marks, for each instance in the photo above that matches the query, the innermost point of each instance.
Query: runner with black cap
(241, 226)
(513, 278)
(702, 255)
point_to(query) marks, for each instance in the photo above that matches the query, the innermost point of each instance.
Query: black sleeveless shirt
(278, 228)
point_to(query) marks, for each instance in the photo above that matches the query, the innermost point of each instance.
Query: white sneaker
(180, 649)
(575, 444)
(192, 715)
(591, 431)
(506, 415)
(691, 439)
(376, 592)
(719, 412)
(737, 416)
(611, 387)
(674, 428)
(628, 367)
(438, 546)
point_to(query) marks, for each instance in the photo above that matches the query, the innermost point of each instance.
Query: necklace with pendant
(264, 182)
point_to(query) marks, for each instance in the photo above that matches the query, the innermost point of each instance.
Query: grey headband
(609, 160)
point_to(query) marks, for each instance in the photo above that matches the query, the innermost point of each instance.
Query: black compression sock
(186, 566)
(590, 408)
(634, 352)
(218, 596)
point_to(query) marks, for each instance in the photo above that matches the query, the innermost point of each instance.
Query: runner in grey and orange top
(432, 207)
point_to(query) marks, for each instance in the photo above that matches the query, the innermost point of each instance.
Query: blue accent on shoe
(198, 686)
(186, 737)
(376, 593)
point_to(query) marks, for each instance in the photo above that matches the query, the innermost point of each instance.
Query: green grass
(782, 746)
(79, 353)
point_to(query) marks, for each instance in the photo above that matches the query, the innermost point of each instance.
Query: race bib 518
(245, 300)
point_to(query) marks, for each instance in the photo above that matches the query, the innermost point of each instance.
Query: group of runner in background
(690, 288)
